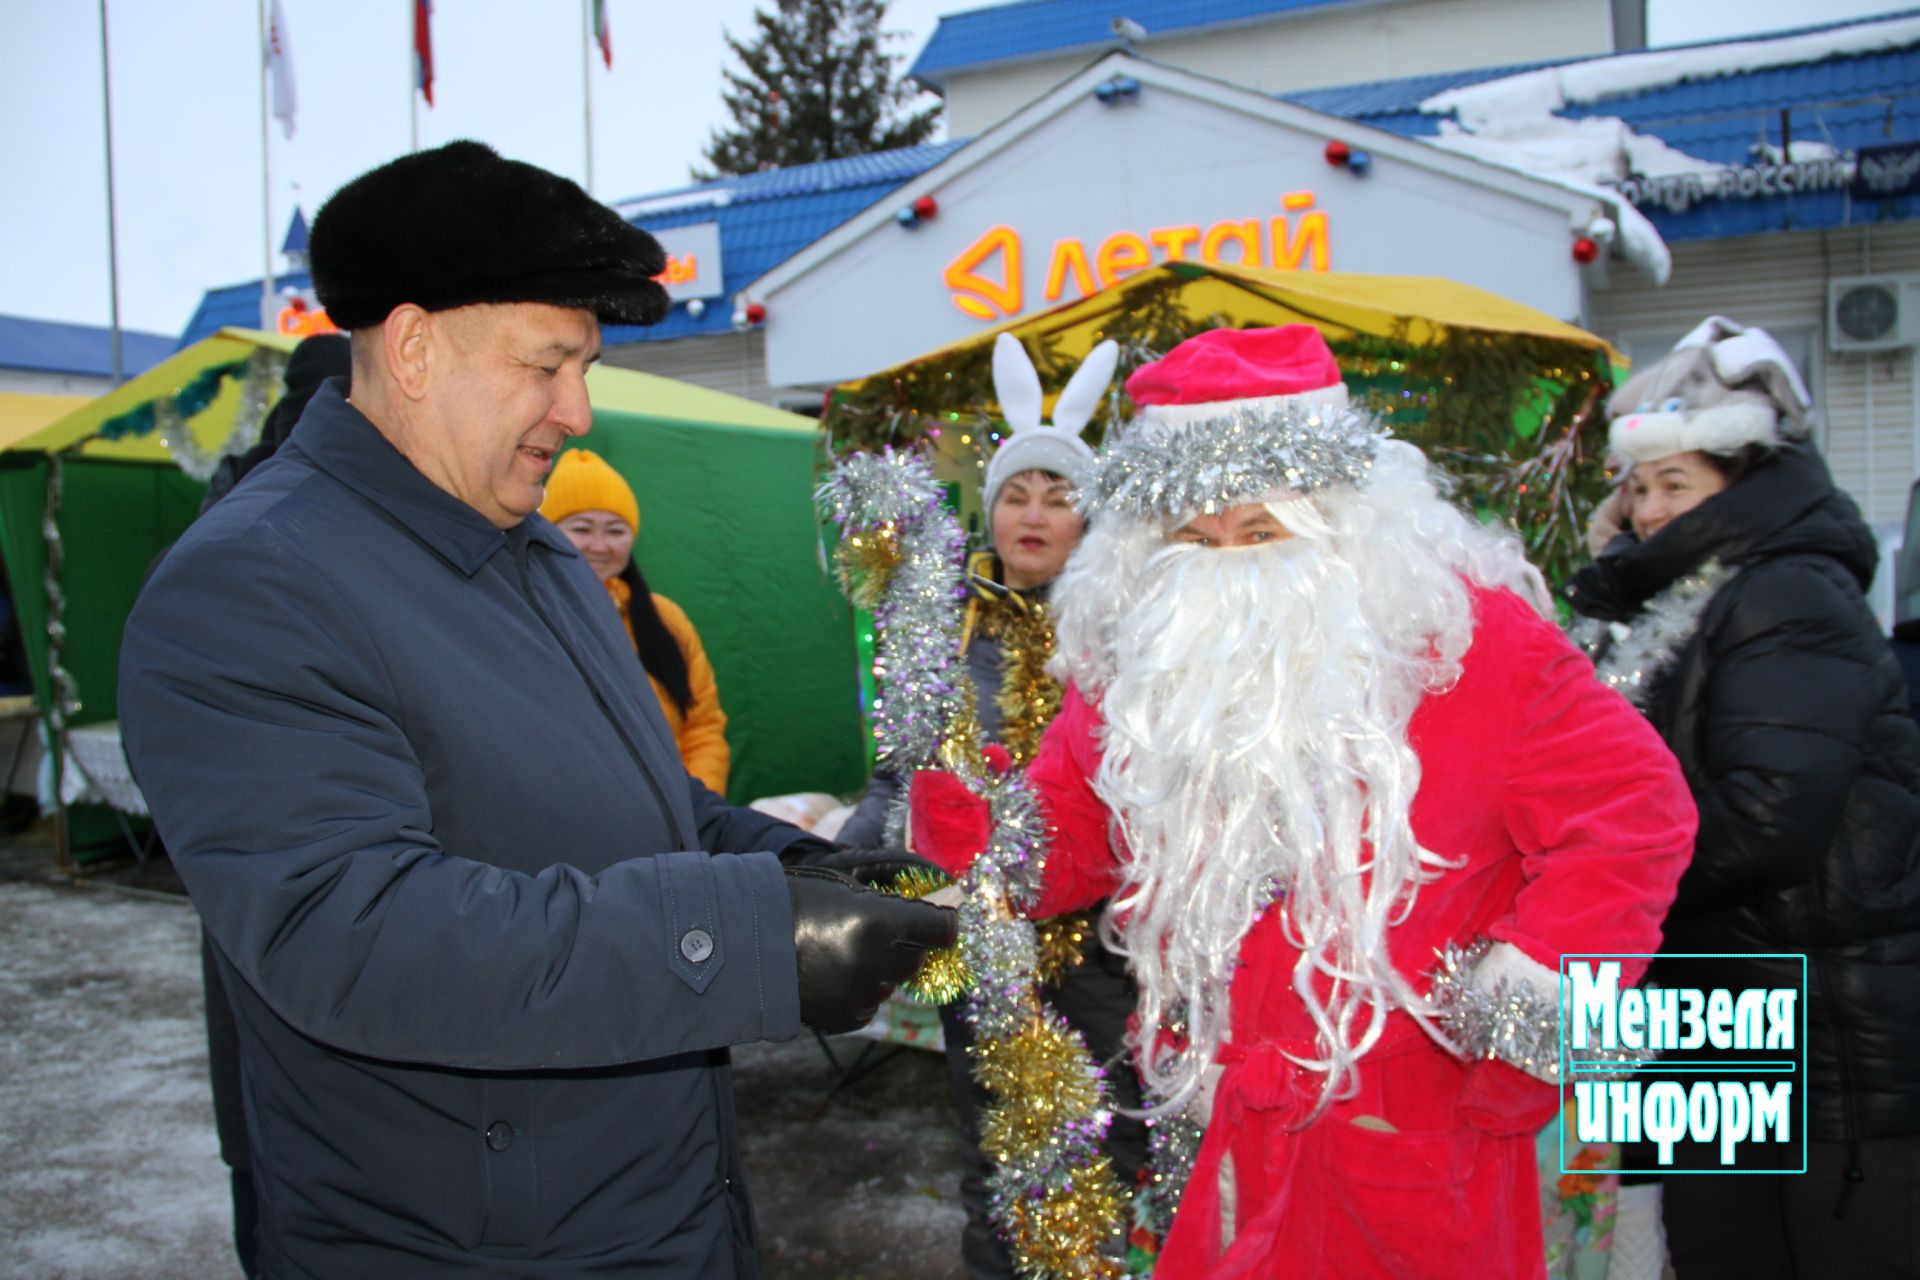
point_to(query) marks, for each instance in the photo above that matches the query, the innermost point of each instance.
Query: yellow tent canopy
(619, 390)
(1417, 310)
(1504, 396)
(24, 413)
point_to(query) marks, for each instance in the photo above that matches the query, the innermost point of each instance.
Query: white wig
(1256, 703)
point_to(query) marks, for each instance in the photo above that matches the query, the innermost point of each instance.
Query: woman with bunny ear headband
(1030, 499)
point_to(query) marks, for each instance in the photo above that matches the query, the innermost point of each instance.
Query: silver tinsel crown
(1157, 471)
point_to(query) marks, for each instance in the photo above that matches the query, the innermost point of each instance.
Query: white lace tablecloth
(95, 770)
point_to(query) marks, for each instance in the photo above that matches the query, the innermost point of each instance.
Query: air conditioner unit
(1873, 313)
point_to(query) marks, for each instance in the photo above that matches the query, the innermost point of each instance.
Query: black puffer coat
(1789, 717)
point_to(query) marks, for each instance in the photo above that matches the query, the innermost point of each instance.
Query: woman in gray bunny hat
(1732, 613)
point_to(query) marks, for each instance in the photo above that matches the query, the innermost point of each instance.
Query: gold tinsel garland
(1029, 697)
(1054, 1192)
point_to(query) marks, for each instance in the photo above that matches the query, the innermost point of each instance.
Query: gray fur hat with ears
(1722, 387)
(1033, 445)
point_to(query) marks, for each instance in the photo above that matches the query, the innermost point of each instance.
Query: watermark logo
(1717, 1062)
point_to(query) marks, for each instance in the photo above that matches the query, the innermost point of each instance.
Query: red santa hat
(1232, 416)
(1226, 371)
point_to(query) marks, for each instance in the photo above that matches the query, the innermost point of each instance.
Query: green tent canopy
(728, 530)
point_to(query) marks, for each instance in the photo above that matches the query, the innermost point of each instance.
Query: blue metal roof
(1846, 101)
(1034, 28)
(765, 218)
(51, 346)
(236, 305)
(296, 241)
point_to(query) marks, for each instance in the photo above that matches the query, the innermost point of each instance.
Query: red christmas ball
(1585, 250)
(925, 207)
(756, 313)
(1338, 152)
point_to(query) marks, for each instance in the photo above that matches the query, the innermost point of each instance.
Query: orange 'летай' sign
(1298, 238)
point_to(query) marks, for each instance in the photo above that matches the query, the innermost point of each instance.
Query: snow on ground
(112, 1167)
(113, 1170)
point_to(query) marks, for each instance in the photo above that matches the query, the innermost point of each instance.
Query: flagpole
(413, 80)
(586, 82)
(266, 184)
(113, 255)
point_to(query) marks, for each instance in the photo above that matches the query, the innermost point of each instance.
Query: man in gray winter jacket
(487, 942)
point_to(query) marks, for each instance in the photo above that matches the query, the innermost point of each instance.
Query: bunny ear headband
(1031, 444)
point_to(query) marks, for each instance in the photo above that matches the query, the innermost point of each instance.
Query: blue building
(1526, 145)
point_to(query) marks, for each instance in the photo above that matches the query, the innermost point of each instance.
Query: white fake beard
(1256, 702)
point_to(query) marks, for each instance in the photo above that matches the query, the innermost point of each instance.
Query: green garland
(1513, 417)
(189, 401)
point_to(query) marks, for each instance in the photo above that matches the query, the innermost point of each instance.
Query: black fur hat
(459, 225)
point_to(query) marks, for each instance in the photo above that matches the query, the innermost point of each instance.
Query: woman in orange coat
(596, 509)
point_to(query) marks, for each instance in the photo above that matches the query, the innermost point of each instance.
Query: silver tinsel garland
(264, 370)
(1512, 1021)
(894, 495)
(1630, 656)
(65, 701)
(1155, 472)
(926, 716)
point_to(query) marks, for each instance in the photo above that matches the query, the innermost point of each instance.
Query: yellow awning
(210, 428)
(618, 390)
(1416, 309)
(22, 413)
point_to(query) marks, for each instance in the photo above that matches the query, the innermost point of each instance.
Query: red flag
(603, 31)
(423, 47)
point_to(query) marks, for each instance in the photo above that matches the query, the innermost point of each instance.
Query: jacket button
(499, 1135)
(696, 945)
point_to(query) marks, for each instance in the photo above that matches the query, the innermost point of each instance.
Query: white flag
(280, 66)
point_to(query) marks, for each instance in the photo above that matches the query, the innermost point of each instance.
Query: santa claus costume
(1306, 765)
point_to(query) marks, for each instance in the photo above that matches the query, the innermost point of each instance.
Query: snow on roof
(673, 202)
(1511, 120)
(1548, 89)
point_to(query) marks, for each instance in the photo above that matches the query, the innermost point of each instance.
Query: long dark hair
(659, 652)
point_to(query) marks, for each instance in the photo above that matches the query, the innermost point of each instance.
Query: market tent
(22, 413)
(728, 530)
(1418, 310)
(1504, 395)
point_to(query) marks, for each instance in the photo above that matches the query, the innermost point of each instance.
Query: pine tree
(815, 84)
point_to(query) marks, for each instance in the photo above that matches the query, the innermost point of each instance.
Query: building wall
(735, 363)
(1346, 44)
(1866, 402)
(38, 382)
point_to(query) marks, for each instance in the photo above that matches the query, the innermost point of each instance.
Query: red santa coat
(1573, 824)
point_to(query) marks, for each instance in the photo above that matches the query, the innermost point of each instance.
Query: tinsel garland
(1510, 1020)
(1630, 657)
(1155, 472)
(1029, 697)
(1514, 416)
(172, 414)
(1053, 1191)
(64, 700)
(899, 545)
(190, 400)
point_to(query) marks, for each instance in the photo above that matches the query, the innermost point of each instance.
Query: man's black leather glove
(868, 866)
(854, 946)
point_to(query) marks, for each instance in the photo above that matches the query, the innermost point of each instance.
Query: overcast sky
(186, 119)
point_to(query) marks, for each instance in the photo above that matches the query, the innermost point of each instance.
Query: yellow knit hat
(582, 481)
